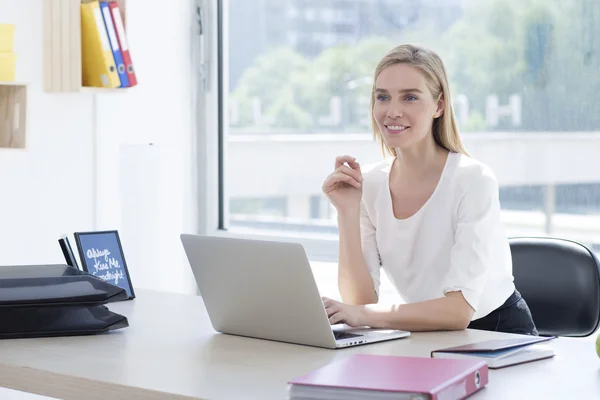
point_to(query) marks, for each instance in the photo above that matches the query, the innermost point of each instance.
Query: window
(526, 90)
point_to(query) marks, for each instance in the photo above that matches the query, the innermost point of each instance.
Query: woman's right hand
(343, 187)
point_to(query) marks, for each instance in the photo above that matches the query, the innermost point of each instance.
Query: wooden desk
(171, 352)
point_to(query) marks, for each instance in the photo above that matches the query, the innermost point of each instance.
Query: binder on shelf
(7, 38)
(122, 39)
(114, 44)
(8, 58)
(8, 67)
(98, 62)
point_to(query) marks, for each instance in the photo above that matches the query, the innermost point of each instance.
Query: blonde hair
(445, 131)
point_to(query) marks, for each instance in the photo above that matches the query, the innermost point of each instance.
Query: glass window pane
(525, 80)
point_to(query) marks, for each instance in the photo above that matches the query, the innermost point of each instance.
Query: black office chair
(560, 281)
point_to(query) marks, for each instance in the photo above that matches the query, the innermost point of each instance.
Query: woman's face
(404, 108)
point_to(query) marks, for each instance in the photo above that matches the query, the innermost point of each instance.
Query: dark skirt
(511, 317)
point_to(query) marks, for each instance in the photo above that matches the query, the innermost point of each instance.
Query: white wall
(155, 179)
(80, 146)
(46, 189)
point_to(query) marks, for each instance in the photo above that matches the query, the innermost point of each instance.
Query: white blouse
(456, 241)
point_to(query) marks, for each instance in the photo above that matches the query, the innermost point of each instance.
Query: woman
(429, 215)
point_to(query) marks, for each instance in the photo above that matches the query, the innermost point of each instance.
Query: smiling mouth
(396, 128)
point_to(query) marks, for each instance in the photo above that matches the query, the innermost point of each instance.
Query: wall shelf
(62, 46)
(13, 115)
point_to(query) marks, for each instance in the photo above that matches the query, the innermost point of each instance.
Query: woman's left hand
(340, 313)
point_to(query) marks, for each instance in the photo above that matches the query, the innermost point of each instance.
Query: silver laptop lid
(257, 288)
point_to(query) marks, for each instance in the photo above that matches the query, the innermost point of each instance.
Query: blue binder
(114, 43)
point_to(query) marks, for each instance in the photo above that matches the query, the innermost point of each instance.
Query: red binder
(120, 27)
(369, 376)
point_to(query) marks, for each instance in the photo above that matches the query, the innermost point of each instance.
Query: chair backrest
(560, 281)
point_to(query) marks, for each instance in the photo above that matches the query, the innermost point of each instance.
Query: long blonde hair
(445, 131)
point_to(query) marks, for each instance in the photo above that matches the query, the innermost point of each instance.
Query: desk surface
(170, 351)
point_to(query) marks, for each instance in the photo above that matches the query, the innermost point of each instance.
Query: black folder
(32, 322)
(54, 285)
(56, 300)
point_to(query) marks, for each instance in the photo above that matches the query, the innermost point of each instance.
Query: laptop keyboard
(344, 335)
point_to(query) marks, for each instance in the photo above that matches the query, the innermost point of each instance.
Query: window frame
(211, 144)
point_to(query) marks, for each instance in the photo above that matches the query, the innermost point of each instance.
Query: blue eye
(381, 97)
(410, 97)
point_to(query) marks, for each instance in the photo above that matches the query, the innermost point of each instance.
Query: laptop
(265, 289)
